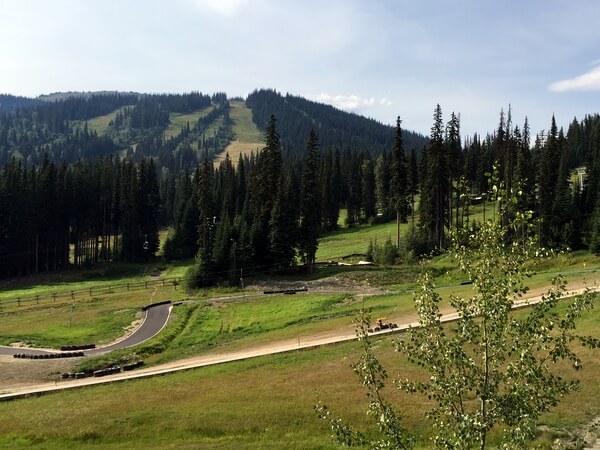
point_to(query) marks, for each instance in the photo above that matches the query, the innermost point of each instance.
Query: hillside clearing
(178, 121)
(99, 124)
(248, 138)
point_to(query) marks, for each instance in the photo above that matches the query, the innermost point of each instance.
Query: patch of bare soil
(328, 284)
(586, 437)
(16, 373)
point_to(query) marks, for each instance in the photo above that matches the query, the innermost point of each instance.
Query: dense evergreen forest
(71, 196)
(336, 128)
(11, 102)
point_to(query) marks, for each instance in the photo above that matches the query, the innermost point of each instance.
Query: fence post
(37, 299)
(146, 285)
(72, 295)
(54, 296)
(19, 301)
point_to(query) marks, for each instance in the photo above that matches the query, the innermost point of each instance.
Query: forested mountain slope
(180, 130)
(11, 102)
(336, 128)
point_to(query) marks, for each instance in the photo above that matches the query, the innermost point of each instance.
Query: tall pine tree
(310, 213)
(435, 191)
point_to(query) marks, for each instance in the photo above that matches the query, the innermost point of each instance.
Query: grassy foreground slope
(260, 403)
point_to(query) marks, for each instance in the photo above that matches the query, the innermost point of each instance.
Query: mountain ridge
(136, 125)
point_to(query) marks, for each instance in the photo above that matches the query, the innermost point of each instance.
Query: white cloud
(589, 81)
(223, 7)
(349, 102)
(385, 102)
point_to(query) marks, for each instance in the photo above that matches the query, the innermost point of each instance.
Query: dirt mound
(328, 284)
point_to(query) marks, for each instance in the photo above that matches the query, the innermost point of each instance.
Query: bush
(417, 243)
(386, 254)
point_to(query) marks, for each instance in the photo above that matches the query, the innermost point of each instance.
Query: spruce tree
(524, 174)
(399, 176)
(310, 199)
(382, 185)
(367, 191)
(562, 228)
(264, 192)
(435, 191)
(454, 155)
(283, 227)
(202, 273)
(150, 208)
(549, 162)
(266, 175)
(331, 179)
(354, 183)
(413, 182)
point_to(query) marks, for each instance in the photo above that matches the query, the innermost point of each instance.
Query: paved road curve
(155, 319)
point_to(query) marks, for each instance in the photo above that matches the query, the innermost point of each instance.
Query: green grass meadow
(178, 121)
(100, 124)
(264, 402)
(248, 138)
(343, 243)
(244, 129)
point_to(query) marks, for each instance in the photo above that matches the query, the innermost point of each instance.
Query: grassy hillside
(345, 242)
(177, 121)
(100, 124)
(248, 137)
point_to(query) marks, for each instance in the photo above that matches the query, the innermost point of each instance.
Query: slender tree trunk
(457, 205)
(484, 394)
(398, 229)
(412, 201)
(37, 253)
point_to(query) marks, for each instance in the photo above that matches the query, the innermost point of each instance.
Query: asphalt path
(155, 319)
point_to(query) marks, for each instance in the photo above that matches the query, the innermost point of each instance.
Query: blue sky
(377, 58)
